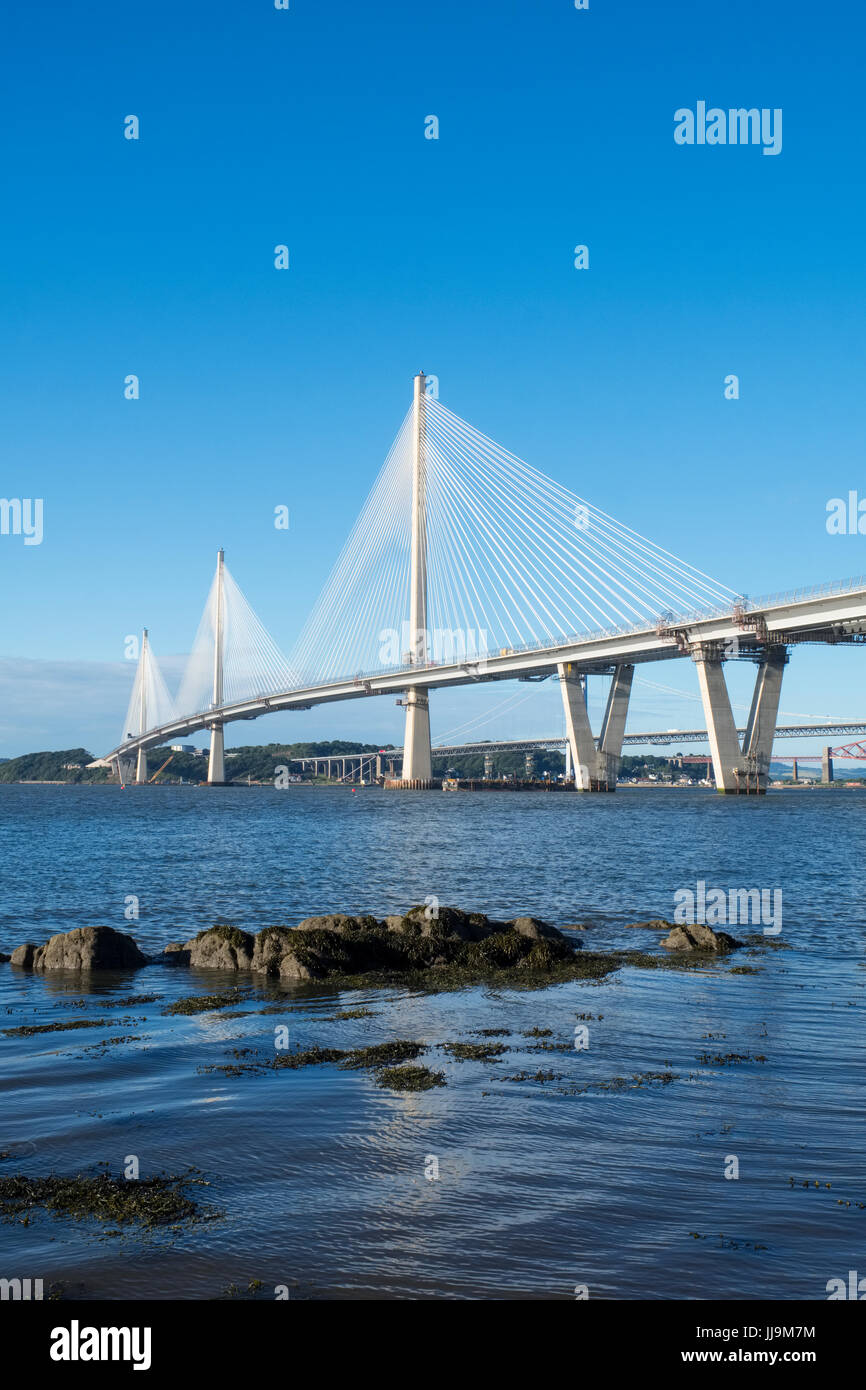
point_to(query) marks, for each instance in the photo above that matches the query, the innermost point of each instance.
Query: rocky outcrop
(340, 945)
(469, 945)
(657, 924)
(83, 948)
(449, 922)
(535, 930)
(291, 967)
(271, 946)
(221, 948)
(325, 947)
(175, 953)
(4, 958)
(697, 937)
(336, 922)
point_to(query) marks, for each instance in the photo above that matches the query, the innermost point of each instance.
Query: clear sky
(261, 387)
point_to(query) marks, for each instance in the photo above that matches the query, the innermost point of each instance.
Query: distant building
(183, 748)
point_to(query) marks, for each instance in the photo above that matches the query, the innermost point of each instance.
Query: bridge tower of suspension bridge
(216, 771)
(141, 760)
(417, 757)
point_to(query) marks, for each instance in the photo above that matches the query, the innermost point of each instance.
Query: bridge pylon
(216, 770)
(740, 769)
(417, 757)
(595, 763)
(141, 760)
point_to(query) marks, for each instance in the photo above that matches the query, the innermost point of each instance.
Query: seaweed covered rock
(535, 930)
(291, 967)
(656, 924)
(336, 922)
(83, 948)
(450, 921)
(269, 947)
(221, 948)
(697, 937)
(323, 948)
(175, 953)
(4, 958)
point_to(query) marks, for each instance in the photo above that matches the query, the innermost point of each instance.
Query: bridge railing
(567, 640)
(746, 604)
(828, 590)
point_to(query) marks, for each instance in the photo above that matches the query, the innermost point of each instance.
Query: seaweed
(381, 1054)
(145, 1202)
(201, 1003)
(474, 1052)
(410, 1078)
(29, 1029)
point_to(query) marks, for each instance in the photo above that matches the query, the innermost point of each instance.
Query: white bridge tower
(417, 758)
(216, 771)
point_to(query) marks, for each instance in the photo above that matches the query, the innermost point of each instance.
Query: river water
(656, 1164)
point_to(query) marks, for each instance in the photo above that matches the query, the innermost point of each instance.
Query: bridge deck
(831, 614)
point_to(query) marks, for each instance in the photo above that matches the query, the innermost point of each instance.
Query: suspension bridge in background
(467, 566)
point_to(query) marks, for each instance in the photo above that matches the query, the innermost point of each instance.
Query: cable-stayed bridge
(465, 566)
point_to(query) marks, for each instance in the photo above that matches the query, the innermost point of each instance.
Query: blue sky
(261, 387)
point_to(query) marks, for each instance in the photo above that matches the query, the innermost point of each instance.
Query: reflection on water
(612, 1174)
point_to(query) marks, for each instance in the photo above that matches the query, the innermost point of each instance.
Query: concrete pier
(761, 726)
(827, 766)
(417, 757)
(740, 770)
(613, 727)
(596, 764)
(216, 766)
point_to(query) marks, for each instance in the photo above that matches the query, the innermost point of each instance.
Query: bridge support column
(724, 741)
(584, 754)
(761, 728)
(740, 771)
(613, 727)
(827, 766)
(417, 756)
(216, 766)
(596, 765)
(141, 766)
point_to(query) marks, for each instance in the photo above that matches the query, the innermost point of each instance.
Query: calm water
(541, 1187)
